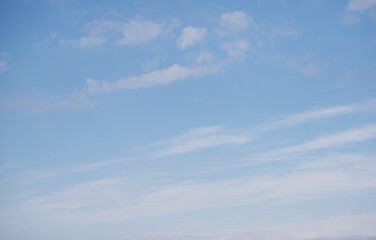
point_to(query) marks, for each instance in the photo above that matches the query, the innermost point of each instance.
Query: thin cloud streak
(340, 139)
(199, 138)
(77, 196)
(314, 115)
(214, 136)
(159, 77)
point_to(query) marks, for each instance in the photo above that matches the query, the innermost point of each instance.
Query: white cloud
(102, 28)
(237, 48)
(199, 138)
(359, 5)
(338, 139)
(77, 196)
(129, 33)
(97, 165)
(90, 41)
(208, 137)
(190, 196)
(236, 21)
(136, 32)
(204, 57)
(335, 140)
(113, 200)
(84, 42)
(312, 115)
(158, 77)
(190, 36)
(3, 66)
(97, 33)
(332, 161)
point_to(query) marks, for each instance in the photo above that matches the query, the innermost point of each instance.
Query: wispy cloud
(312, 69)
(134, 32)
(190, 36)
(97, 165)
(3, 66)
(236, 48)
(284, 31)
(205, 57)
(359, 5)
(112, 199)
(351, 19)
(333, 161)
(76, 196)
(158, 77)
(360, 134)
(90, 41)
(189, 196)
(348, 227)
(199, 138)
(33, 176)
(97, 32)
(323, 113)
(77, 101)
(214, 136)
(306, 66)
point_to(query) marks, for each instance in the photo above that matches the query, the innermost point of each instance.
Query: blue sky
(219, 120)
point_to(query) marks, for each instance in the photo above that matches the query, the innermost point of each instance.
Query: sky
(188, 120)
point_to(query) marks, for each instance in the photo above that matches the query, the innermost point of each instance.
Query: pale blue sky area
(215, 120)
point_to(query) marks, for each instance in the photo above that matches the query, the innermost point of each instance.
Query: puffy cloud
(190, 36)
(235, 21)
(136, 32)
